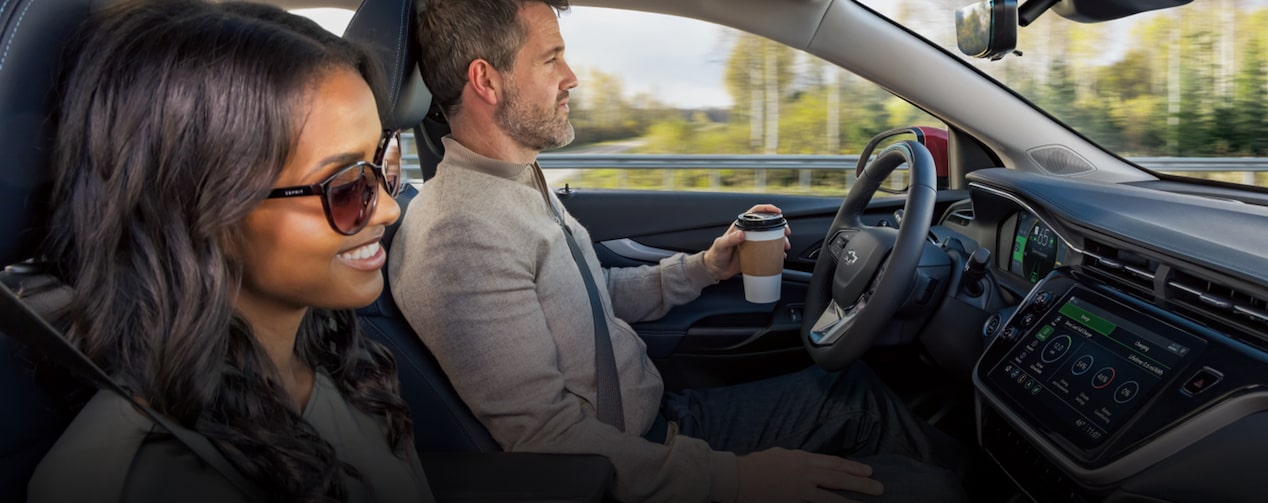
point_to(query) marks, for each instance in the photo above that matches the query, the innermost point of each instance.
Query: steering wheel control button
(1103, 378)
(1081, 365)
(1126, 391)
(838, 243)
(1201, 381)
(1056, 348)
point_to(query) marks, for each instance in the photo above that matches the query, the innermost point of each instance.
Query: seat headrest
(31, 43)
(386, 28)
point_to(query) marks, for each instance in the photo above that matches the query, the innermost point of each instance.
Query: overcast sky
(680, 60)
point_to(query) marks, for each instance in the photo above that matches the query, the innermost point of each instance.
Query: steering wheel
(864, 274)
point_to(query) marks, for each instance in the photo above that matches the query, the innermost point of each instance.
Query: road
(555, 178)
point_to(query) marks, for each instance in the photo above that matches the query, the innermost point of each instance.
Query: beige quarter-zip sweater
(484, 275)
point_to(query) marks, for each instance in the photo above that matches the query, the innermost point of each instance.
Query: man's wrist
(714, 271)
(698, 271)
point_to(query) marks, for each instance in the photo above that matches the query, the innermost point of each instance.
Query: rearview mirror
(987, 29)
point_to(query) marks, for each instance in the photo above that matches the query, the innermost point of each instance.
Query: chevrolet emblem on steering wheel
(851, 257)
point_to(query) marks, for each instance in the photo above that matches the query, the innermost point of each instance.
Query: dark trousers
(849, 413)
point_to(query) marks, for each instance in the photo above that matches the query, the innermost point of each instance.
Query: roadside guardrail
(806, 164)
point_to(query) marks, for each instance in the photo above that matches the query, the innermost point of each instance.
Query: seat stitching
(396, 60)
(12, 35)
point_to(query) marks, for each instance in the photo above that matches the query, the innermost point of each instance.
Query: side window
(331, 18)
(668, 103)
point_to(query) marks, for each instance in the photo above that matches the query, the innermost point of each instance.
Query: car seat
(442, 422)
(31, 37)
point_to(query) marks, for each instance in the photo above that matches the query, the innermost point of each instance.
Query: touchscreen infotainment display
(1090, 368)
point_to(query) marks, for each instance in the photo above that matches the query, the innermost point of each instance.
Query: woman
(223, 207)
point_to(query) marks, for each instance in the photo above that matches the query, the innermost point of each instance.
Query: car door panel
(718, 338)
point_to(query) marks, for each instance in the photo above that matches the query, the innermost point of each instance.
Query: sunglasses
(350, 196)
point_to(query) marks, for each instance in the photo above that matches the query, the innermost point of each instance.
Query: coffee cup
(762, 255)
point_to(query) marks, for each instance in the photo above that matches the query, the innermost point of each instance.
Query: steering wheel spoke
(835, 322)
(868, 269)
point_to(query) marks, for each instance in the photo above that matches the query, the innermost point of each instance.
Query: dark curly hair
(175, 120)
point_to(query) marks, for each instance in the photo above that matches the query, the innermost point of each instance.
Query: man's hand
(722, 259)
(783, 475)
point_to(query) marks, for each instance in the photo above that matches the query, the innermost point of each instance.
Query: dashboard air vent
(1224, 308)
(1126, 269)
(960, 216)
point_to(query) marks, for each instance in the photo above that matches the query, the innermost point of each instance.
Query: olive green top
(113, 453)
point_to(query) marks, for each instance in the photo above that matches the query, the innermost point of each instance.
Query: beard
(538, 128)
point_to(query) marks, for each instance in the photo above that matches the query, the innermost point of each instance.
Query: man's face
(534, 106)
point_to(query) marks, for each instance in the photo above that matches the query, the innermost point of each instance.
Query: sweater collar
(464, 157)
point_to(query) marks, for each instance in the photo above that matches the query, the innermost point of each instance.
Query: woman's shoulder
(95, 452)
(110, 453)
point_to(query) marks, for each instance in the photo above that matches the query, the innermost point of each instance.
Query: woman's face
(293, 259)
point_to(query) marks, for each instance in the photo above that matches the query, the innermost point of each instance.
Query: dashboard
(1135, 363)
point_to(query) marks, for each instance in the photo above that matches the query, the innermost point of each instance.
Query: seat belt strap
(25, 325)
(607, 381)
(608, 388)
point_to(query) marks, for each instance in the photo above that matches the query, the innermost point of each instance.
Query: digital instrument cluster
(1037, 250)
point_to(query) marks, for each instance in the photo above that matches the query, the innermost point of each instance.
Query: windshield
(1182, 90)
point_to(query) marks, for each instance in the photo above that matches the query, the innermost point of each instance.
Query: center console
(1087, 364)
(1084, 387)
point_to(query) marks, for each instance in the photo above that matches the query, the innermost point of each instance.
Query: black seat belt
(607, 381)
(23, 324)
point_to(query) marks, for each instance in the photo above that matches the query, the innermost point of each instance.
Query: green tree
(758, 73)
(1248, 121)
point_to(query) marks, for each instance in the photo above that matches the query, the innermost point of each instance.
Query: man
(483, 272)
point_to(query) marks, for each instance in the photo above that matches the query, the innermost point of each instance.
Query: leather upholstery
(386, 28)
(442, 422)
(31, 36)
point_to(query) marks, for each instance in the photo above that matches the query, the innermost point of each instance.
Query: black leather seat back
(32, 33)
(442, 422)
(31, 36)
(386, 28)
